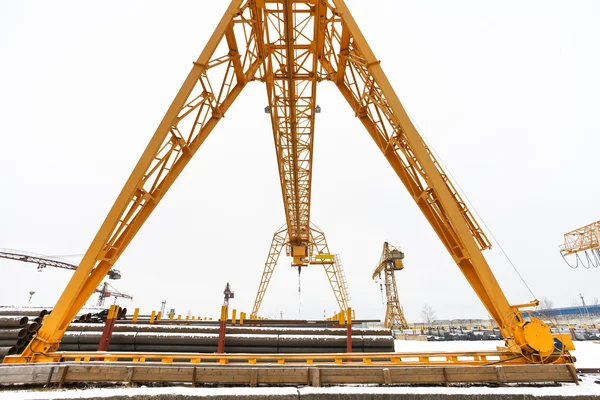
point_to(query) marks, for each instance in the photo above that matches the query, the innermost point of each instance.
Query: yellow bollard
(242, 318)
(233, 315)
(152, 316)
(193, 317)
(159, 316)
(341, 318)
(187, 318)
(136, 313)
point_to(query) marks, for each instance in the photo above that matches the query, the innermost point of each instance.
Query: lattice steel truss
(291, 45)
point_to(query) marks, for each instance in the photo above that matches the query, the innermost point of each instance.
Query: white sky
(506, 92)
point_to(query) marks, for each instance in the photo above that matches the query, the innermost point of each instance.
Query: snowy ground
(587, 353)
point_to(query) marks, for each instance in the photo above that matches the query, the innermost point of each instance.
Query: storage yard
(422, 306)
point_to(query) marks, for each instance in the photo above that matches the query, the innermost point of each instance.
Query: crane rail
(467, 358)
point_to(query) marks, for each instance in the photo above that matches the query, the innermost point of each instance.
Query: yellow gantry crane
(292, 46)
(389, 263)
(584, 240)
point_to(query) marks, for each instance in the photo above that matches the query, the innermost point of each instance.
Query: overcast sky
(507, 92)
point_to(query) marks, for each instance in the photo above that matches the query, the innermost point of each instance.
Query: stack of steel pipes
(17, 328)
(240, 339)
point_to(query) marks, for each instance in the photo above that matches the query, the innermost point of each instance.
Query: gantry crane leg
(362, 82)
(280, 239)
(214, 82)
(334, 275)
(317, 245)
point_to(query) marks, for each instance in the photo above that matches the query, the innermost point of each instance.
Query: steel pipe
(13, 342)
(33, 327)
(13, 333)
(7, 350)
(230, 330)
(29, 312)
(13, 321)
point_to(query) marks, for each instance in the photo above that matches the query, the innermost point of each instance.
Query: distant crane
(46, 261)
(584, 240)
(106, 290)
(391, 261)
(228, 294)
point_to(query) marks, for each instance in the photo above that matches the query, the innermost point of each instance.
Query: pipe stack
(16, 331)
(203, 339)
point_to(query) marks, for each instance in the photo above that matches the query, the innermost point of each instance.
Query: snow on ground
(157, 392)
(586, 388)
(587, 353)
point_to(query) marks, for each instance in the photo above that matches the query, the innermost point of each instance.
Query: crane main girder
(290, 74)
(290, 45)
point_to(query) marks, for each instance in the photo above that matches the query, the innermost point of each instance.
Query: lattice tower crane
(389, 263)
(106, 290)
(292, 46)
(47, 261)
(584, 240)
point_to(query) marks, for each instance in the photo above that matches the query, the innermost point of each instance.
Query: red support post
(222, 329)
(349, 331)
(109, 326)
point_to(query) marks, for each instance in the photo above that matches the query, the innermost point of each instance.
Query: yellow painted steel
(342, 318)
(113, 311)
(136, 313)
(467, 358)
(290, 45)
(582, 239)
(233, 315)
(242, 318)
(318, 246)
(152, 316)
(389, 262)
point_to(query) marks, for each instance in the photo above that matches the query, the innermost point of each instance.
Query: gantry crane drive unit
(389, 263)
(584, 240)
(291, 46)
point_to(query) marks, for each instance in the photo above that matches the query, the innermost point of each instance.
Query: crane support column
(109, 326)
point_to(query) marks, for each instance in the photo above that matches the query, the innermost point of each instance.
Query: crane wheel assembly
(292, 46)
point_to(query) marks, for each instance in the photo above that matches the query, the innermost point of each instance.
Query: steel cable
(471, 204)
